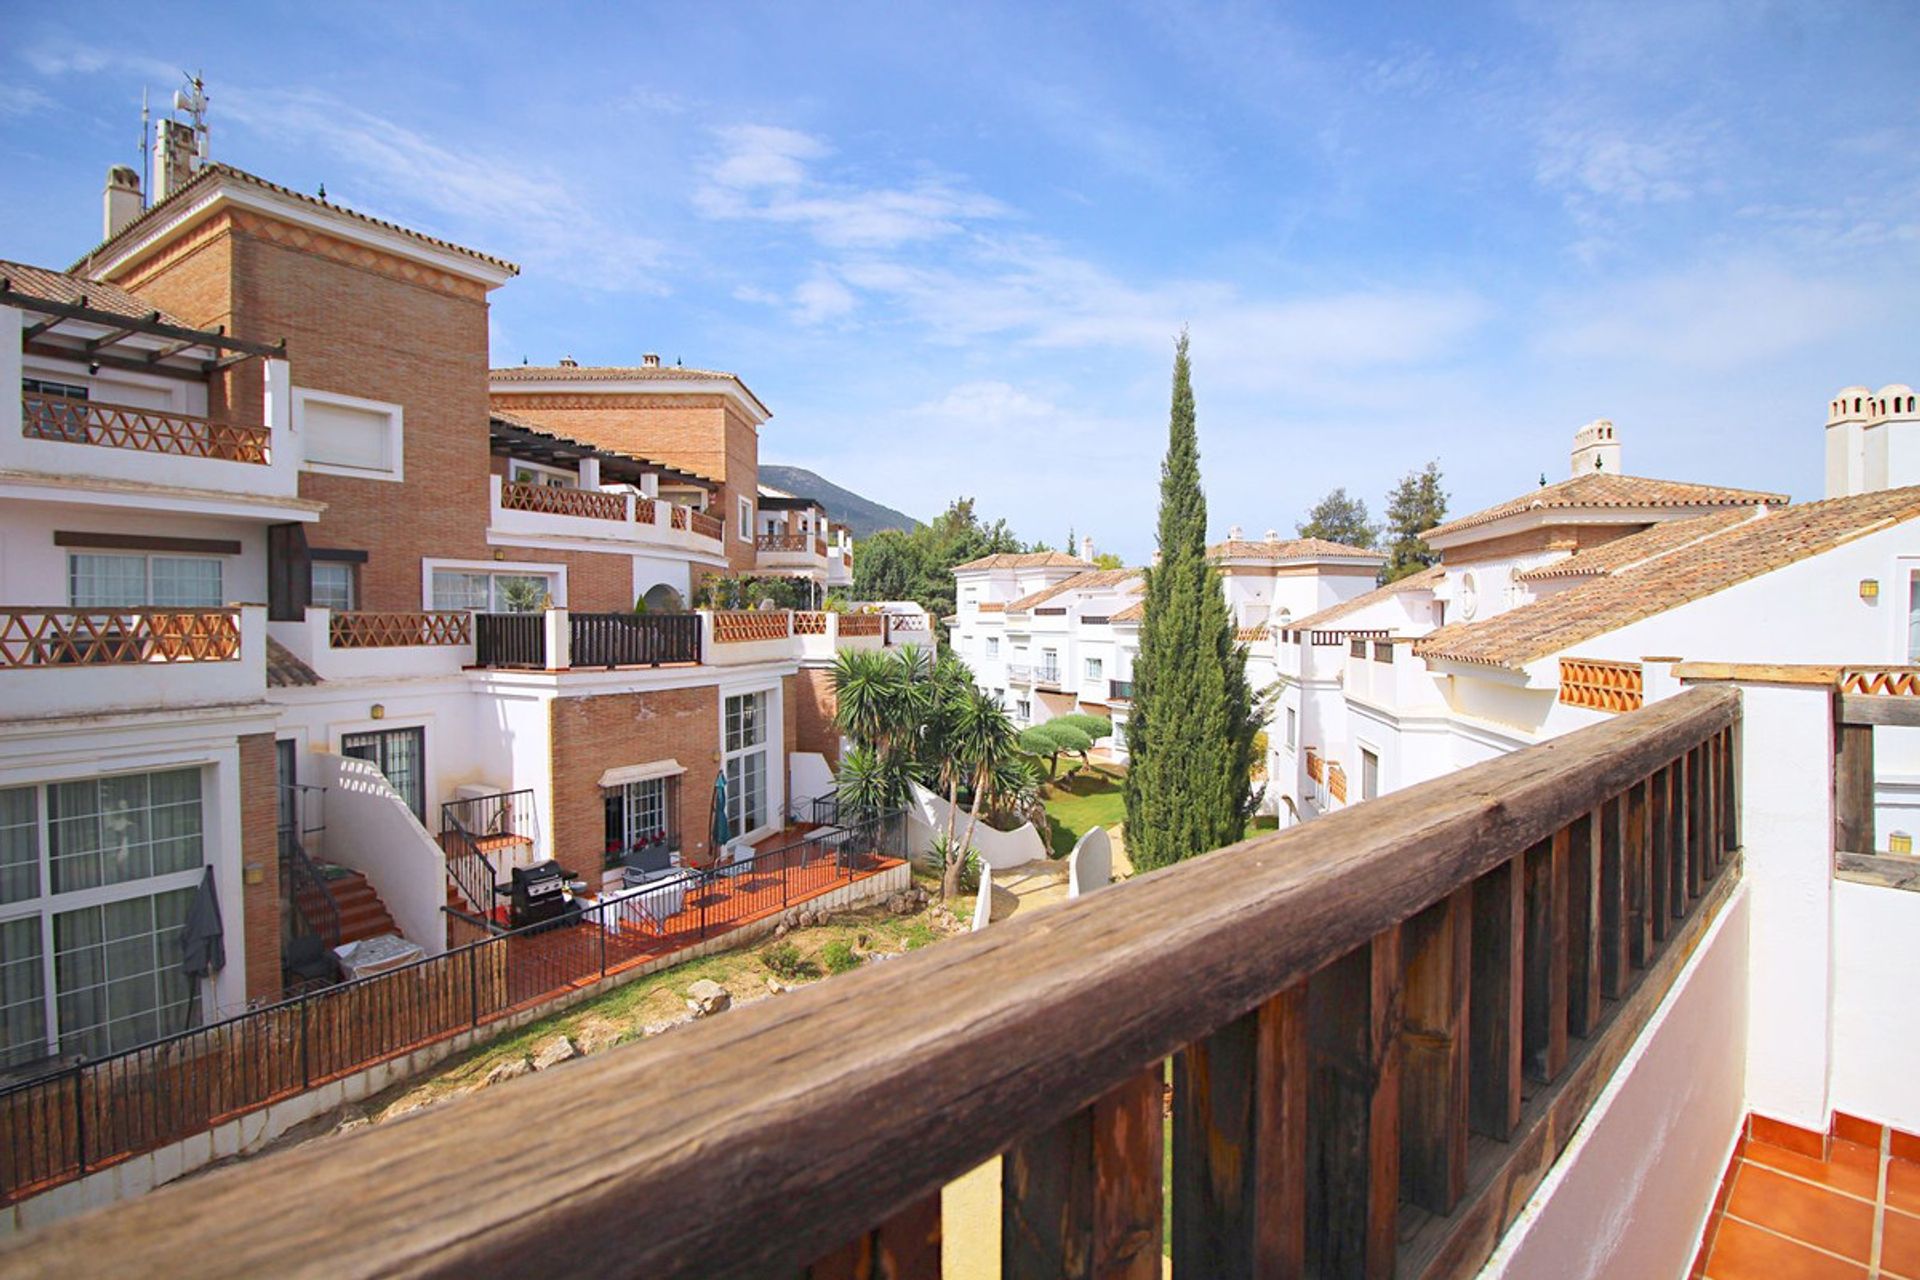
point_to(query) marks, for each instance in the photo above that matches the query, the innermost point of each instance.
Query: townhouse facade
(325, 633)
(1582, 599)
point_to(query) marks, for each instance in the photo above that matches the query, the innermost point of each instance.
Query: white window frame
(993, 646)
(746, 518)
(146, 559)
(394, 469)
(773, 736)
(567, 479)
(1369, 792)
(557, 573)
(353, 582)
(48, 904)
(1095, 670)
(1293, 729)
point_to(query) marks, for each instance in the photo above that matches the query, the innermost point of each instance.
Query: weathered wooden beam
(1613, 899)
(1637, 828)
(904, 1247)
(758, 1126)
(158, 328)
(113, 336)
(1853, 787)
(1438, 950)
(1240, 1145)
(1695, 820)
(1353, 1114)
(1496, 1004)
(1871, 709)
(1083, 1198)
(1883, 870)
(1583, 924)
(1544, 1025)
(1660, 853)
(107, 360)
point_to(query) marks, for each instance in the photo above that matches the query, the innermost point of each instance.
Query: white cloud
(822, 298)
(1607, 161)
(764, 156)
(18, 100)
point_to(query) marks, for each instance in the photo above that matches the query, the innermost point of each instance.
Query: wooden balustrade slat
(1613, 899)
(1696, 837)
(1544, 993)
(53, 638)
(1731, 802)
(1353, 1112)
(1636, 831)
(1582, 838)
(1495, 1004)
(1083, 1198)
(906, 1246)
(1438, 947)
(898, 1077)
(1660, 853)
(1676, 841)
(113, 426)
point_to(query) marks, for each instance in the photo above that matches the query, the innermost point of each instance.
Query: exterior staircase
(362, 914)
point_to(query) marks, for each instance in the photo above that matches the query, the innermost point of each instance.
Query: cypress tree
(1190, 732)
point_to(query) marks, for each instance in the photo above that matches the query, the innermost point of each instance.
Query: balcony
(561, 640)
(58, 661)
(343, 645)
(780, 551)
(1047, 676)
(1119, 691)
(1385, 1030)
(1019, 673)
(544, 512)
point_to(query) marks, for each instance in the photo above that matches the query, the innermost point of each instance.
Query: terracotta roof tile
(215, 170)
(994, 606)
(1425, 580)
(1132, 613)
(284, 671)
(1288, 549)
(1600, 491)
(1655, 540)
(1091, 580)
(1025, 560)
(65, 287)
(1734, 552)
(606, 373)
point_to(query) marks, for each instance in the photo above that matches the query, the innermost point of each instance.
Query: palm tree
(983, 744)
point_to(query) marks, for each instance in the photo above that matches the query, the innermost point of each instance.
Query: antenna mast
(146, 157)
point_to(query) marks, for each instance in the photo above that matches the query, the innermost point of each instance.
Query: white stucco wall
(1876, 1022)
(371, 830)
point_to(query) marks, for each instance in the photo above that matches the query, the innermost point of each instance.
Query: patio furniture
(647, 905)
(538, 896)
(377, 954)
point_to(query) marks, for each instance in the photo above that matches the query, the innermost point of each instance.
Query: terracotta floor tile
(1854, 1129)
(1854, 1181)
(1853, 1155)
(1900, 1246)
(1905, 1146)
(1827, 1219)
(1781, 1134)
(1903, 1185)
(1741, 1252)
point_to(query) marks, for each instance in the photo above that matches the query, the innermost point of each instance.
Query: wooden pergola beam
(154, 327)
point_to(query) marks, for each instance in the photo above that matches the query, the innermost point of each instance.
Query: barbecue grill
(538, 896)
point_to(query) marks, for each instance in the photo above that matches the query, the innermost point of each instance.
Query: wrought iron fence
(633, 639)
(510, 640)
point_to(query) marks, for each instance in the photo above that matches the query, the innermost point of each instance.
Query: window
(746, 761)
(491, 592)
(95, 880)
(97, 581)
(640, 815)
(530, 473)
(66, 421)
(335, 585)
(1096, 670)
(400, 755)
(993, 646)
(746, 520)
(1023, 711)
(1369, 774)
(1293, 727)
(349, 436)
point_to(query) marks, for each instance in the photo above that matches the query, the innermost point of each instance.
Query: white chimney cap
(1234, 533)
(650, 360)
(568, 362)
(1273, 535)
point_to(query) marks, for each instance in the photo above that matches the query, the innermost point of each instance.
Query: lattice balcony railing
(783, 542)
(399, 630)
(736, 626)
(705, 525)
(113, 426)
(809, 624)
(589, 504)
(1337, 781)
(34, 637)
(861, 624)
(1600, 685)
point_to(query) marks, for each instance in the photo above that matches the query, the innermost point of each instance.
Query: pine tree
(1417, 504)
(1338, 518)
(1191, 727)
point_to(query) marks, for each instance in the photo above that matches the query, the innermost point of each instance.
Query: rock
(407, 1106)
(511, 1069)
(707, 997)
(776, 986)
(553, 1053)
(780, 930)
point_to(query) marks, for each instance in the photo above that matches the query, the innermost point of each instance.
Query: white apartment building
(1578, 600)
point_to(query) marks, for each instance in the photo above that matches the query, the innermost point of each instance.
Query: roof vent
(1235, 533)
(568, 362)
(1273, 535)
(122, 202)
(650, 360)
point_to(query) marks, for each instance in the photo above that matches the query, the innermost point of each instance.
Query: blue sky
(950, 245)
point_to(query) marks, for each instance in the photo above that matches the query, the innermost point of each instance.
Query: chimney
(121, 202)
(1596, 448)
(1235, 533)
(650, 360)
(1086, 548)
(1273, 535)
(568, 362)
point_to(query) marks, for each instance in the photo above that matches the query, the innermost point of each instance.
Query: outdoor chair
(309, 965)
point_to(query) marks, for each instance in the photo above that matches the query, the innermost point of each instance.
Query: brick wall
(260, 847)
(592, 735)
(1560, 538)
(811, 708)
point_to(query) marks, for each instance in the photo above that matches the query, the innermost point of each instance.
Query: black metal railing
(633, 639)
(1119, 691)
(510, 640)
(311, 910)
(60, 1125)
(473, 829)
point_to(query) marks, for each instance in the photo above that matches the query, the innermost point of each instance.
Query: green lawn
(1091, 798)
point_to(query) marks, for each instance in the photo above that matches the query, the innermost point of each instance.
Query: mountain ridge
(861, 514)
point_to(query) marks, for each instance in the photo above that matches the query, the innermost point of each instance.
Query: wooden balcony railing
(862, 624)
(1337, 781)
(510, 640)
(632, 640)
(1385, 1026)
(56, 637)
(1601, 685)
(736, 626)
(677, 516)
(643, 511)
(809, 624)
(590, 504)
(705, 525)
(1315, 770)
(789, 542)
(1119, 691)
(399, 630)
(113, 426)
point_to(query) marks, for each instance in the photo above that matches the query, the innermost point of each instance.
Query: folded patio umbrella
(719, 829)
(203, 942)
